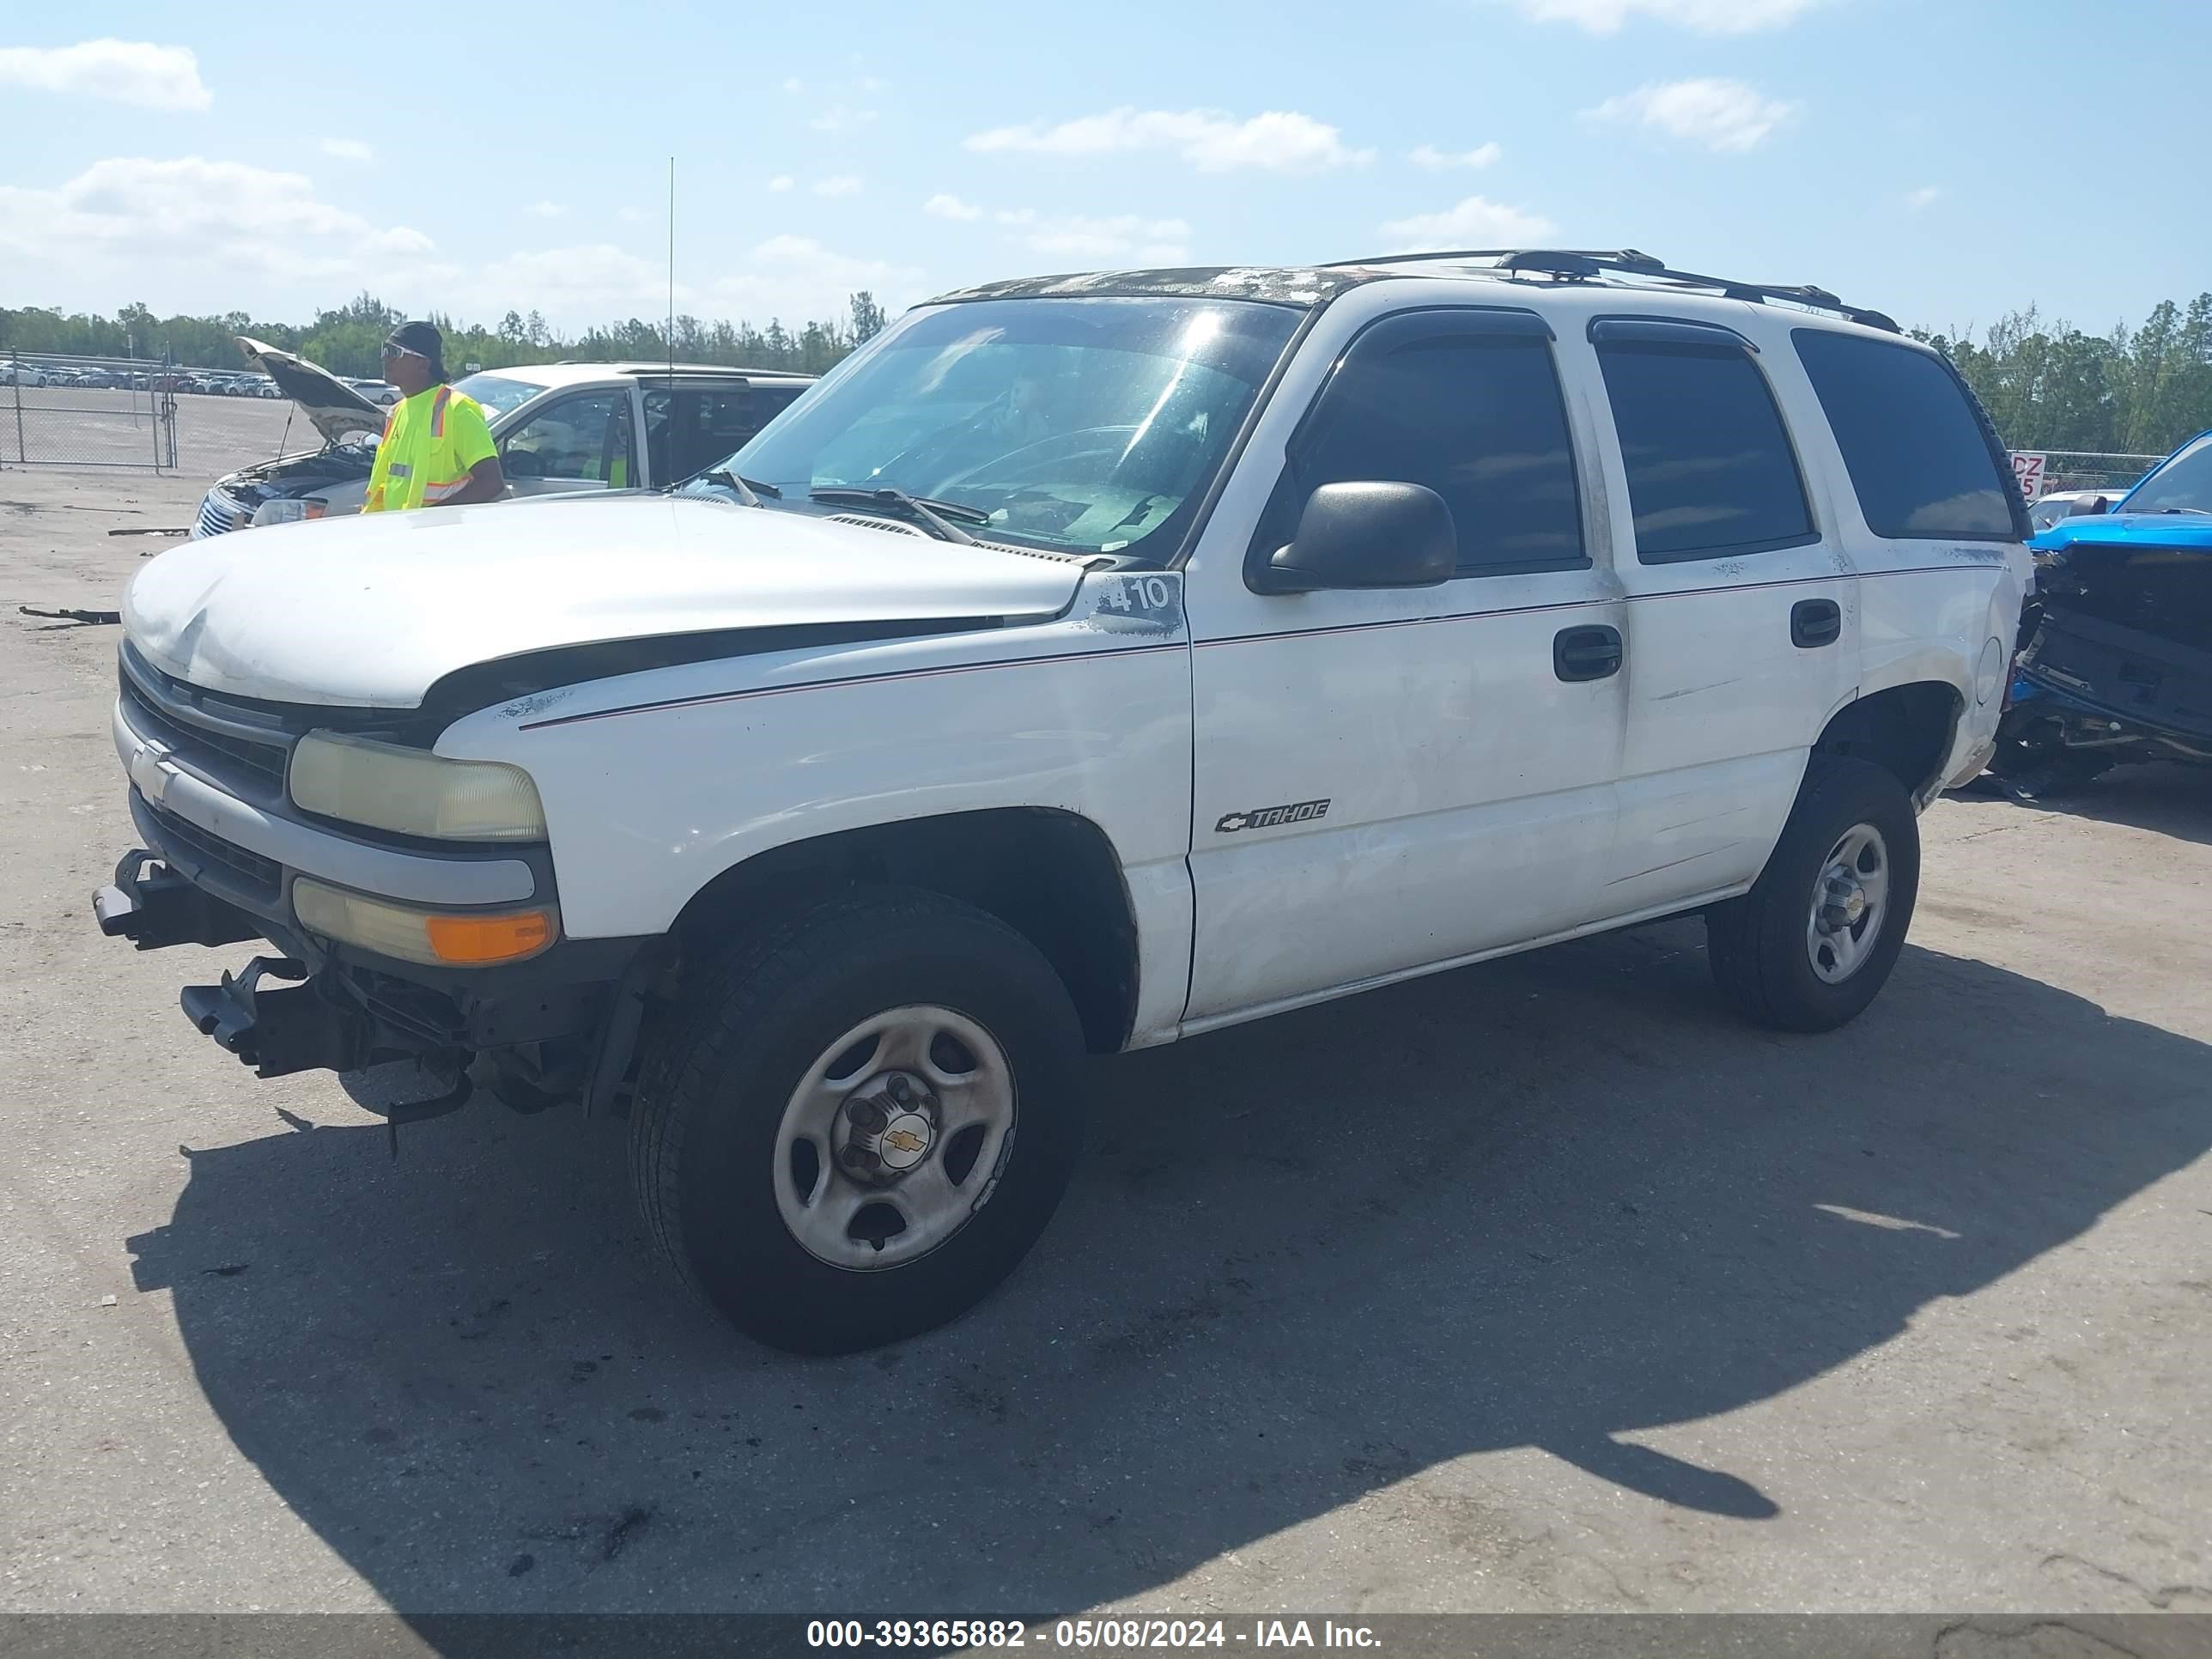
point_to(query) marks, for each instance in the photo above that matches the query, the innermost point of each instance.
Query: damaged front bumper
(557, 1026)
(2094, 690)
(221, 850)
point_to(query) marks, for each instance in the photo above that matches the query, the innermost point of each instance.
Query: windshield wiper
(745, 489)
(2205, 510)
(932, 515)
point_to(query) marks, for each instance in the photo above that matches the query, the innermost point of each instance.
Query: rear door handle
(1816, 622)
(1586, 653)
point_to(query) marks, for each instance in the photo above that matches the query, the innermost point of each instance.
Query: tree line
(2047, 385)
(2051, 386)
(349, 340)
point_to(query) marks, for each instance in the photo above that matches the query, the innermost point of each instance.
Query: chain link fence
(2083, 469)
(87, 413)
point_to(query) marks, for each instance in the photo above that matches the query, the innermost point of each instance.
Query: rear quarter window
(1711, 472)
(1922, 465)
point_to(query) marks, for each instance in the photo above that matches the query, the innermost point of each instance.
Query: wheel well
(1906, 729)
(1051, 876)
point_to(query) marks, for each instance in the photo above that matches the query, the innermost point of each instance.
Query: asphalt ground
(1547, 1284)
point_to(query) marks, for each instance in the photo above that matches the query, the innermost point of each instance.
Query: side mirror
(2099, 504)
(1366, 535)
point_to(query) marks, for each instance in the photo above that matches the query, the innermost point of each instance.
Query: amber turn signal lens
(476, 940)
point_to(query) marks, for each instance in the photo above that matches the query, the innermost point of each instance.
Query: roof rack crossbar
(1583, 265)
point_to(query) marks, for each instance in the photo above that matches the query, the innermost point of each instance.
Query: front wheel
(858, 1126)
(1813, 941)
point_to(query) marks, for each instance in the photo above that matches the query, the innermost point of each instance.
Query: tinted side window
(1478, 418)
(1710, 471)
(690, 430)
(1920, 463)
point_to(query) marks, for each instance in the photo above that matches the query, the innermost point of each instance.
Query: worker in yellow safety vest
(436, 449)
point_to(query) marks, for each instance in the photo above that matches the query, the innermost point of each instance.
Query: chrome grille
(257, 766)
(218, 514)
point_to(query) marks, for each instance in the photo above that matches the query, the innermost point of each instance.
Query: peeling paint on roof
(1276, 285)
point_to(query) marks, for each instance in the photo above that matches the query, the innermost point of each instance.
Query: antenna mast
(672, 277)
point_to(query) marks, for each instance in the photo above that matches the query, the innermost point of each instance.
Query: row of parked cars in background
(207, 382)
(49, 375)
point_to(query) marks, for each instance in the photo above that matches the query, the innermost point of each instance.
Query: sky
(1945, 161)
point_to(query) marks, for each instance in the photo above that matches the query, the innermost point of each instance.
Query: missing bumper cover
(153, 907)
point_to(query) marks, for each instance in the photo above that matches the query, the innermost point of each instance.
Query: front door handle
(1816, 622)
(1586, 653)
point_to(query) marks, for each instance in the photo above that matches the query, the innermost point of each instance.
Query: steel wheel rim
(847, 1167)
(1851, 902)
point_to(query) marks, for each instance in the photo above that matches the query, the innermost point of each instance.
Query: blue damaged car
(2117, 661)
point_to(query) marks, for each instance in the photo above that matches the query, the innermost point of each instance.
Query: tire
(742, 1174)
(1766, 946)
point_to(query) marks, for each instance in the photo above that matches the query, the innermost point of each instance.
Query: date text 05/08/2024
(1109, 1633)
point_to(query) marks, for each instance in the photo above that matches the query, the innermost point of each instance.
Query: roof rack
(1587, 264)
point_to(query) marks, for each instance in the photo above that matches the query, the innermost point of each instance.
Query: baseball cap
(421, 338)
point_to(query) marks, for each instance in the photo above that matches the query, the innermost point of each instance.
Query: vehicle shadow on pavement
(1550, 1202)
(2165, 799)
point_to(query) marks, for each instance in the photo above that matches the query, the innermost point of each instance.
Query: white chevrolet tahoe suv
(1085, 663)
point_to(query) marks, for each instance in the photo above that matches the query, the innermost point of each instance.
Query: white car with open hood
(1087, 662)
(562, 429)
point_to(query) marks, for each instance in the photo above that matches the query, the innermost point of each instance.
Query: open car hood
(337, 409)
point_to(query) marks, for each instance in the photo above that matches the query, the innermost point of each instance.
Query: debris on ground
(90, 618)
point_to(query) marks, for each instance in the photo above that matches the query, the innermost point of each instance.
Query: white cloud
(547, 210)
(128, 71)
(793, 83)
(793, 279)
(1428, 156)
(838, 117)
(781, 182)
(951, 207)
(133, 214)
(1722, 115)
(842, 184)
(1281, 141)
(796, 278)
(1926, 196)
(1699, 16)
(347, 149)
(1122, 236)
(585, 283)
(1476, 221)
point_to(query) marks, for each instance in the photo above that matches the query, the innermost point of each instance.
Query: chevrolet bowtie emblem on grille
(1270, 818)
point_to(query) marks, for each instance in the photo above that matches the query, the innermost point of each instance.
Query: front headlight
(288, 509)
(443, 938)
(411, 792)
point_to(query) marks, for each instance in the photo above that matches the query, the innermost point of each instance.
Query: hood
(371, 611)
(2182, 531)
(337, 409)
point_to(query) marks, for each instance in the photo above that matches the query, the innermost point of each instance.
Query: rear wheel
(1813, 941)
(856, 1128)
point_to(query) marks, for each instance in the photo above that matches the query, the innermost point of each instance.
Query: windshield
(2182, 483)
(1092, 425)
(498, 393)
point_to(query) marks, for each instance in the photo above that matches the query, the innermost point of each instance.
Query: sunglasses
(393, 349)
